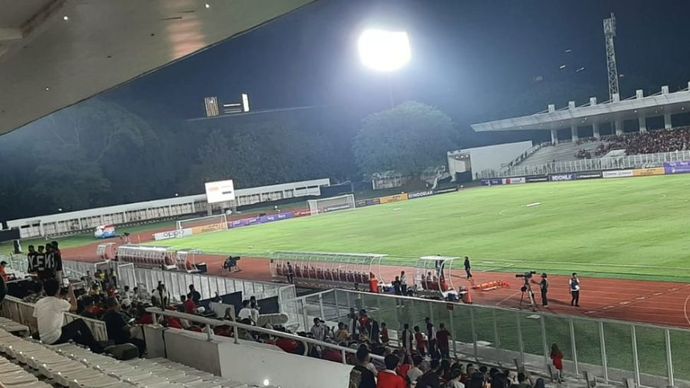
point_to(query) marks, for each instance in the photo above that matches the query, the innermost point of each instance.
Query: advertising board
(367, 202)
(514, 181)
(677, 167)
(536, 178)
(649, 171)
(587, 175)
(492, 182)
(220, 191)
(170, 234)
(420, 194)
(561, 177)
(394, 198)
(617, 174)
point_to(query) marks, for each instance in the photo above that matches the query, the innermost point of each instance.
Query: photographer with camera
(527, 288)
(544, 287)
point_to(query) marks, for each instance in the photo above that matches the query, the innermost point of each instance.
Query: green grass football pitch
(630, 228)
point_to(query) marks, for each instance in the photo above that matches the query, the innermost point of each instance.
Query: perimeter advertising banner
(650, 171)
(587, 175)
(677, 167)
(170, 234)
(562, 177)
(514, 181)
(367, 202)
(617, 174)
(420, 194)
(394, 198)
(209, 228)
(492, 182)
(261, 219)
(536, 178)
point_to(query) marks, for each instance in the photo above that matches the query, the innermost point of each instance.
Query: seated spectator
(454, 381)
(50, 314)
(118, 327)
(361, 376)
(245, 312)
(318, 330)
(189, 304)
(3, 274)
(342, 334)
(431, 378)
(416, 371)
(522, 381)
(385, 339)
(388, 378)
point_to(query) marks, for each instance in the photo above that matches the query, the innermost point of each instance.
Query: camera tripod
(527, 289)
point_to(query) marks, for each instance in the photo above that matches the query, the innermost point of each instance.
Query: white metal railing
(209, 323)
(23, 312)
(599, 164)
(651, 355)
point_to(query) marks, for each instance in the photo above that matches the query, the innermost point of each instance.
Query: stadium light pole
(384, 51)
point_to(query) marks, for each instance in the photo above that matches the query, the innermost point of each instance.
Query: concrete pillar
(554, 136)
(552, 108)
(639, 93)
(595, 130)
(573, 132)
(619, 127)
(667, 120)
(642, 121)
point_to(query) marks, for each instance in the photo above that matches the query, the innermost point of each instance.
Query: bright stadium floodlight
(383, 50)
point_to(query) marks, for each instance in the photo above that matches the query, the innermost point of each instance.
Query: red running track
(661, 303)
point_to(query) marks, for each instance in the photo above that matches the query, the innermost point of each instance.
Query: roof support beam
(10, 34)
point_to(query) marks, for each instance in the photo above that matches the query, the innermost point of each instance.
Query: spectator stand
(329, 270)
(433, 278)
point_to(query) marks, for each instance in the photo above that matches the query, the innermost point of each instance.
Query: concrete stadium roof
(54, 53)
(632, 108)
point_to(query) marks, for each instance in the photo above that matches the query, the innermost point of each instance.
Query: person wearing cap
(544, 287)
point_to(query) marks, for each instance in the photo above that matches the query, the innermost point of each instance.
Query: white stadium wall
(493, 157)
(89, 219)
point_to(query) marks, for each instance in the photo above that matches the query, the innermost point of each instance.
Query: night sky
(469, 57)
(474, 60)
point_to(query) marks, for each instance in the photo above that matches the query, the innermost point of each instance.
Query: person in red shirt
(373, 283)
(420, 338)
(388, 378)
(557, 359)
(189, 305)
(442, 339)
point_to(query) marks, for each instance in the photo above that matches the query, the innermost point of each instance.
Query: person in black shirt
(431, 378)
(361, 376)
(397, 286)
(468, 268)
(117, 326)
(544, 287)
(194, 294)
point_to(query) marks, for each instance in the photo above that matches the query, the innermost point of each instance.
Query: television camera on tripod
(527, 288)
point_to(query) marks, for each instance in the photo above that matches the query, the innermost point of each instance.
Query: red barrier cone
(468, 297)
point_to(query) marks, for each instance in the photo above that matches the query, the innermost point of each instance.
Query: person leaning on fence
(49, 312)
(557, 360)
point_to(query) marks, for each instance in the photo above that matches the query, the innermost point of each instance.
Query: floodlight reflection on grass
(383, 50)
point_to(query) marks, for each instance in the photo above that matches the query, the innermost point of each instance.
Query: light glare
(384, 50)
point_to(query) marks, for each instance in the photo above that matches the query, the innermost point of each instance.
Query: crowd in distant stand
(642, 143)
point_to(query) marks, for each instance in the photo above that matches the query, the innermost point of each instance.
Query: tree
(407, 138)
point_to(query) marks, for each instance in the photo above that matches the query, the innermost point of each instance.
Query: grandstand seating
(559, 152)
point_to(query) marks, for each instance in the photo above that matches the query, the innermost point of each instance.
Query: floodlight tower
(609, 34)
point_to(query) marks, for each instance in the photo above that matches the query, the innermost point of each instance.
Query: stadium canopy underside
(54, 53)
(616, 111)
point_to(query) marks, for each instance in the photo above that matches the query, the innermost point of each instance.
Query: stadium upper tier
(593, 114)
(55, 53)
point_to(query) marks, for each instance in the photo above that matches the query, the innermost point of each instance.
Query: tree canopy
(407, 138)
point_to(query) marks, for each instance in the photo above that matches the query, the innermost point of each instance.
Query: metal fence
(599, 164)
(611, 350)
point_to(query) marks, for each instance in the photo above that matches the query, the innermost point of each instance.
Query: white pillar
(667, 120)
(554, 136)
(642, 121)
(573, 132)
(595, 130)
(619, 127)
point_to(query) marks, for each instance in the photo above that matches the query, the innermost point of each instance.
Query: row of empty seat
(72, 366)
(304, 272)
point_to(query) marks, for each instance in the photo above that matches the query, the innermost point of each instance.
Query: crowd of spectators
(642, 143)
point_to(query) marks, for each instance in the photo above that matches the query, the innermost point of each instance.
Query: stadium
(544, 260)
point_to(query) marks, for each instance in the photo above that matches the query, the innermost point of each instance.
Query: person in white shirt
(416, 371)
(318, 330)
(50, 311)
(245, 312)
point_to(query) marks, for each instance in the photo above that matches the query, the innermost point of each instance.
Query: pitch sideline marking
(685, 309)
